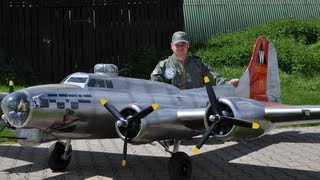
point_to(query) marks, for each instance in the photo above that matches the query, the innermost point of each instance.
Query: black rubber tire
(180, 167)
(55, 162)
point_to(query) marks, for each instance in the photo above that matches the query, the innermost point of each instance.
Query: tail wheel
(180, 166)
(55, 153)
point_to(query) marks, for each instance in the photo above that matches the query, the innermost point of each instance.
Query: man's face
(180, 49)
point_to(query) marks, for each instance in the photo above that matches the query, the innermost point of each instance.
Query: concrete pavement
(288, 153)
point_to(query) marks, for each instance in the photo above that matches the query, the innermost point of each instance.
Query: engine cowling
(128, 111)
(169, 123)
(241, 108)
(164, 123)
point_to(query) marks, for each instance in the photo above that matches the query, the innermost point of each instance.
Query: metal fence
(57, 37)
(206, 18)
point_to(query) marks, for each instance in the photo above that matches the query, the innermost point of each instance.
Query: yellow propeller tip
(103, 101)
(123, 162)
(255, 125)
(10, 83)
(155, 106)
(206, 79)
(195, 150)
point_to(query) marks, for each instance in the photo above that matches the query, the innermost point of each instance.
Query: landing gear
(180, 166)
(59, 155)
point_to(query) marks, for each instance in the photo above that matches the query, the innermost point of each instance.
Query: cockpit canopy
(78, 79)
(81, 79)
(106, 78)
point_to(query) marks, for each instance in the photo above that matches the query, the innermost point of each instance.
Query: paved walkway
(290, 153)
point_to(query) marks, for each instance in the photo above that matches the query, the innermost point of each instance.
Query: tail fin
(261, 79)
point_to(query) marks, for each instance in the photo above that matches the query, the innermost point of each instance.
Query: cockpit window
(96, 83)
(109, 84)
(77, 79)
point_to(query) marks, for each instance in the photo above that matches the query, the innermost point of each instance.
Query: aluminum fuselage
(71, 110)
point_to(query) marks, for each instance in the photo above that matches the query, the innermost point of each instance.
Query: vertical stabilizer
(261, 79)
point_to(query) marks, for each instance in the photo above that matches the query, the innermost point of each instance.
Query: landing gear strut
(59, 155)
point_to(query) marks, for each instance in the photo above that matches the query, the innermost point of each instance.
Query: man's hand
(234, 82)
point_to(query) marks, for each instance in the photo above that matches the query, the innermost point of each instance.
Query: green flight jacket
(169, 71)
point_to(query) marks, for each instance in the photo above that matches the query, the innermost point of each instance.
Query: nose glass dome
(16, 107)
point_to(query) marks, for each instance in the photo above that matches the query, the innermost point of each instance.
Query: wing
(167, 122)
(286, 115)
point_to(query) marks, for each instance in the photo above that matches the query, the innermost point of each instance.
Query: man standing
(185, 71)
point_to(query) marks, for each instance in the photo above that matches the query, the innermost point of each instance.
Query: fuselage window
(44, 103)
(60, 105)
(109, 84)
(96, 83)
(74, 105)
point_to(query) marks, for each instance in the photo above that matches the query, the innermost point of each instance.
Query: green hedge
(23, 75)
(6, 70)
(296, 41)
(142, 62)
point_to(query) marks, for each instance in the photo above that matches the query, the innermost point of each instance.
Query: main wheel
(180, 166)
(55, 161)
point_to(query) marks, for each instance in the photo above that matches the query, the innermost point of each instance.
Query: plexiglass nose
(16, 109)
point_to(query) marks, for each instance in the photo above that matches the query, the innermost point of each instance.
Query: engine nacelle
(241, 108)
(174, 123)
(164, 123)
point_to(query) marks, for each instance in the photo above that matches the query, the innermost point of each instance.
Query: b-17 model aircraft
(104, 105)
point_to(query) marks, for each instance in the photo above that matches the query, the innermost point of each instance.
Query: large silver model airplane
(104, 105)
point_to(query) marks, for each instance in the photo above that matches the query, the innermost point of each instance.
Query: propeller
(127, 123)
(217, 116)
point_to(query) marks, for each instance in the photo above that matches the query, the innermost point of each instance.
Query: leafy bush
(297, 58)
(231, 50)
(142, 62)
(22, 75)
(6, 70)
(296, 41)
(301, 30)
